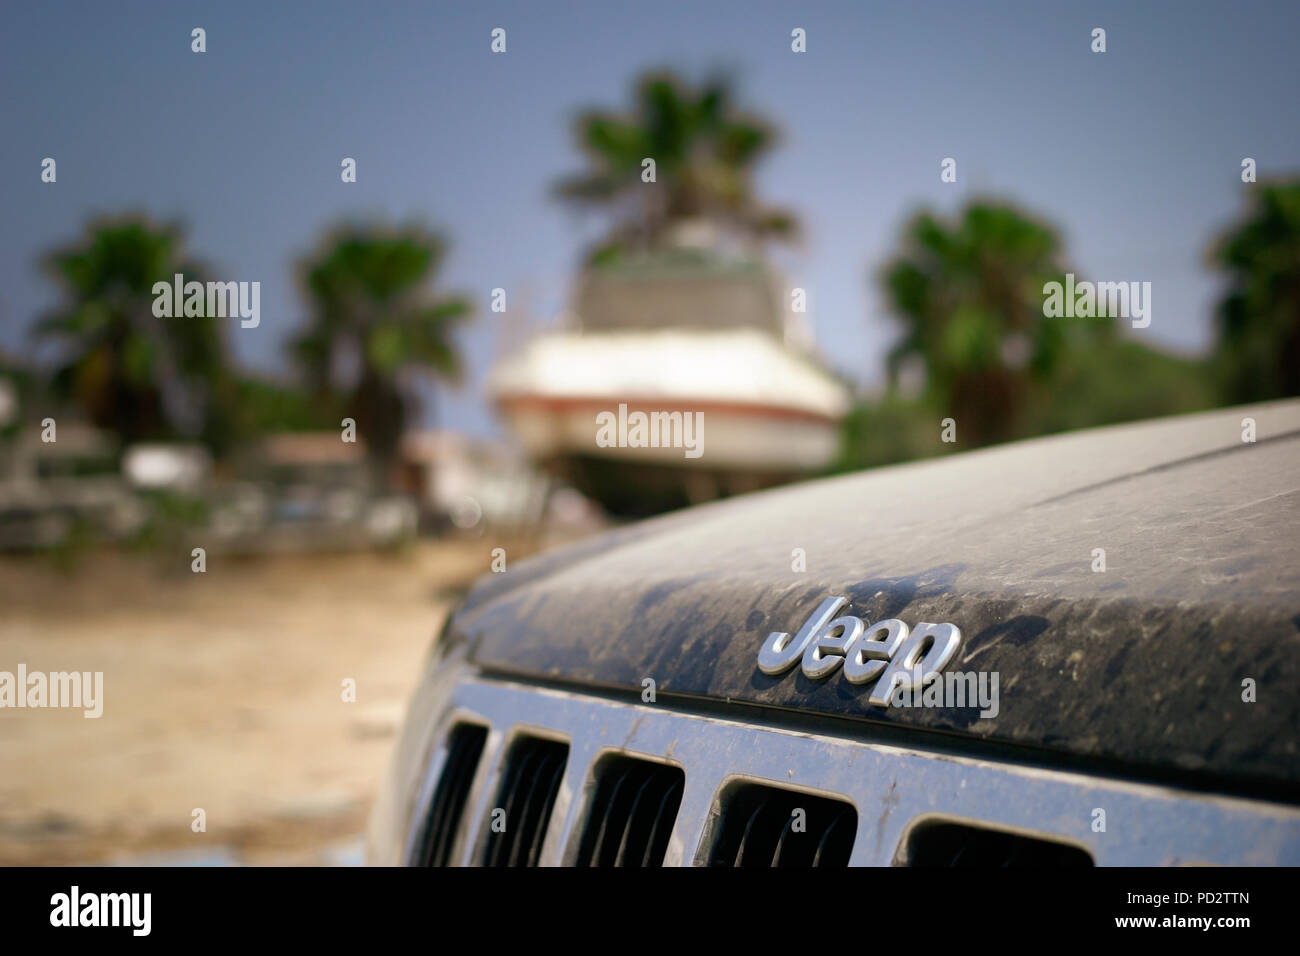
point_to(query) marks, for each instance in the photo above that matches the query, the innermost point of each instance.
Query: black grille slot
(632, 813)
(534, 769)
(762, 827)
(464, 747)
(955, 844)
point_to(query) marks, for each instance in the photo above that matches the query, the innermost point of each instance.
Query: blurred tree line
(976, 347)
(375, 321)
(967, 292)
(705, 149)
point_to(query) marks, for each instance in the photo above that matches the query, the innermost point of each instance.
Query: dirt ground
(222, 691)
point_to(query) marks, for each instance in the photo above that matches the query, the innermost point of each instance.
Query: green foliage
(172, 516)
(148, 378)
(887, 430)
(1118, 381)
(266, 407)
(968, 293)
(372, 304)
(1093, 383)
(70, 551)
(704, 150)
(1259, 318)
(967, 290)
(133, 373)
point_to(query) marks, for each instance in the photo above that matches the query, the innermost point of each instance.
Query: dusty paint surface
(1142, 663)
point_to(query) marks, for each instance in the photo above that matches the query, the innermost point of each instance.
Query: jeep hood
(1144, 664)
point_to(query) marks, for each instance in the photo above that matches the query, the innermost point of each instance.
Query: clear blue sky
(1134, 154)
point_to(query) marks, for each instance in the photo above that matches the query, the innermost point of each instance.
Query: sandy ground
(222, 691)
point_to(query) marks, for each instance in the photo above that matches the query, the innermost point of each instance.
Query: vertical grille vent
(464, 748)
(534, 769)
(957, 845)
(763, 827)
(632, 813)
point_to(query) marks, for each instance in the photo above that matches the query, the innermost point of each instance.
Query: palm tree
(704, 151)
(969, 293)
(1259, 317)
(141, 376)
(373, 311)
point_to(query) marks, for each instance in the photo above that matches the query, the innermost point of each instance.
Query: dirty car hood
(1142, 663)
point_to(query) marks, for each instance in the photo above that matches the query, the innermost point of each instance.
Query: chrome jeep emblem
(886, 652)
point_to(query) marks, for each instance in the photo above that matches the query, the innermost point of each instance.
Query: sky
(1134, 154)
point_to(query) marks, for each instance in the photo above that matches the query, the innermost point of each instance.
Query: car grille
(464, 748)
(523, 806)
(582, 779)
(772, 827)
(957, 845)
(632, 813)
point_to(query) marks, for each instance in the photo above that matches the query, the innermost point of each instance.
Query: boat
(685, 338)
